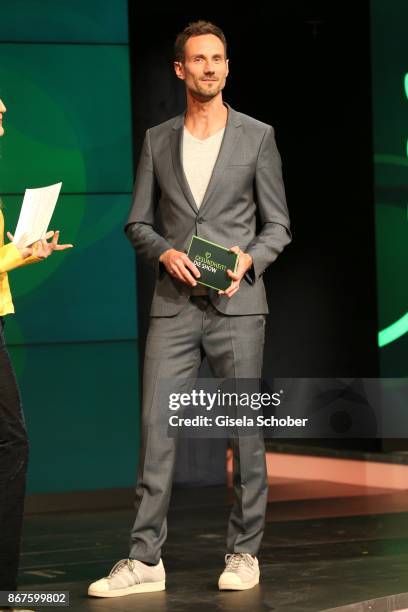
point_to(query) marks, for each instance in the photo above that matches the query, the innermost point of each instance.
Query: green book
(212, 261)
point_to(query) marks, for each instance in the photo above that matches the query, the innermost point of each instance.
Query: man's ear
(227, 62)
(179, 70)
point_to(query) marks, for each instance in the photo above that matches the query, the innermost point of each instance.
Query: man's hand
(244, 263)
(180, 266)
(42, 248)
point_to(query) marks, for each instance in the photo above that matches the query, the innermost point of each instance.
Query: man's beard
(206, 94)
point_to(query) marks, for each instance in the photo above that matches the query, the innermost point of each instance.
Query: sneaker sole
(227, 586)
(146, 587)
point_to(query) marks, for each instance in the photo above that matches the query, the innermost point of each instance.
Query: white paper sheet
(35, 215)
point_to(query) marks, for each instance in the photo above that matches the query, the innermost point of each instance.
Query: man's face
(205, 67)
(2, 110)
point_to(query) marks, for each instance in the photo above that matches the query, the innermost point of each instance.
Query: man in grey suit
(208, 172)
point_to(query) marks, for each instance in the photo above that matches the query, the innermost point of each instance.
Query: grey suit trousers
(233, 345)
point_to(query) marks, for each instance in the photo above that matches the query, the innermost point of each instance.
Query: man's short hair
(197, 28)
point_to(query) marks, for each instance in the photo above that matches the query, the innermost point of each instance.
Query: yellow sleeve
(30, 260)
(10, 258)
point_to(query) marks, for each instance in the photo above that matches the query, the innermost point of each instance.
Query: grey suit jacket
(246, 179)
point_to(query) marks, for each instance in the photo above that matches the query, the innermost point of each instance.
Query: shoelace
(118, 566)
(234, 560)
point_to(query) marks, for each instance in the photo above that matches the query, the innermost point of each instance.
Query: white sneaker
(130, 576)
(241, 572)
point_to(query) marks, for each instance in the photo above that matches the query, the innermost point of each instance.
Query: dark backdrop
(303, 67)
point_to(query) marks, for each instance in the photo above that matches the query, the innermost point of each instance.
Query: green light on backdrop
(389, 45)
(399, 327)
(390, 333)
(406, 93)
(393, 331)
(69, 119)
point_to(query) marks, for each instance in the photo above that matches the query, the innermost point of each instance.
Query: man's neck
(203, 119)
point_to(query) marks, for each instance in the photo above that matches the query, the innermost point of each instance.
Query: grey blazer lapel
(229, 143)
(176, 137)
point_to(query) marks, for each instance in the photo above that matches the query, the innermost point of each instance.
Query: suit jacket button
(200, 220)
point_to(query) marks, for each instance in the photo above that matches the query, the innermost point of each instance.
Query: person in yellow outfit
(13, 433)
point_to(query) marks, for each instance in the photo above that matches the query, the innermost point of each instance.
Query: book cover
(212, 260)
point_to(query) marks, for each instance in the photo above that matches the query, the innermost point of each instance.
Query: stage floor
(343, 545)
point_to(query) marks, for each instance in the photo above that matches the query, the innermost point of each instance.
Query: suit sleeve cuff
(160, 267)
(254, 271)
(250, 275)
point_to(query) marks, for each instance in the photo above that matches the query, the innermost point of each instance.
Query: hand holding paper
(42, 249)
(35, 215)
(31, 234)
